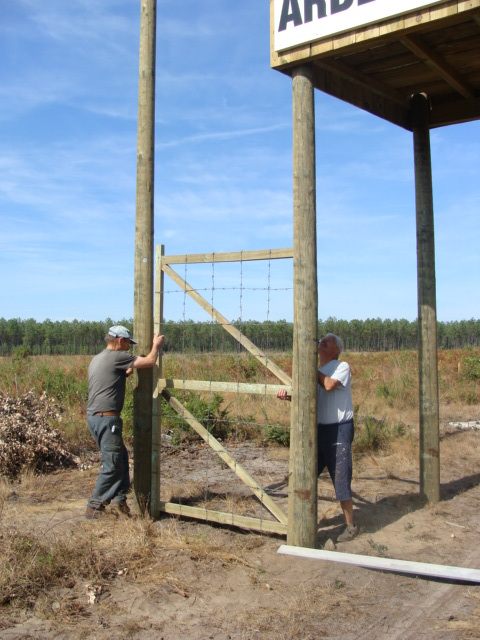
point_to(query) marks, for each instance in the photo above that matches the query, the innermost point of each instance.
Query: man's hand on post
(158, 341)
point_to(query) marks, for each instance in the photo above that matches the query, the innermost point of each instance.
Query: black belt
(107, 413)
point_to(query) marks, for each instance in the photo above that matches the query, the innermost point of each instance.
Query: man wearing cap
(335, 425)
(107, 376)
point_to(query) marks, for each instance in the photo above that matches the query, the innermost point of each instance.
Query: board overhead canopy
(301, 21)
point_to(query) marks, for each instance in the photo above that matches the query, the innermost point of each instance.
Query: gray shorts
(335, 453)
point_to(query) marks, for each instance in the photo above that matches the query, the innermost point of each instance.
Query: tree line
(87, 337)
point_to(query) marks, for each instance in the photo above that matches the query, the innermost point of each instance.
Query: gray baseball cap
(119, 331)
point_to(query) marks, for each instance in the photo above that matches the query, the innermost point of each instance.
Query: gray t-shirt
(106, 380)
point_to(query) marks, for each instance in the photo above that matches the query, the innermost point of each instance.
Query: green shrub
(64, 385)
(372, 434)
(278, 434)
(470, 368)
(21, 352)
(208, 412)
(469, 396)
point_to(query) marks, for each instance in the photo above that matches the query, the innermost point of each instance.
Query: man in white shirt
(335, 425)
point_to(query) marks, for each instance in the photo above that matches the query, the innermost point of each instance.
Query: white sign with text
(301, 21)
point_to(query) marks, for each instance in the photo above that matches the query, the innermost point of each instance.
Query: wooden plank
(228, 387)
(226, 457)
(394, 57)
(157, 372)
(369, 32)
(454, 113)
(362, 97)
(388, 27)
(233, 256)
(436, 62)
(232, 519)
(228, 326)
(418, 17)
(390, 55)
(385, 564)
(439, 12)
(342, 69)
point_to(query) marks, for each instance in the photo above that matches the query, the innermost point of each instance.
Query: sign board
(300, 21)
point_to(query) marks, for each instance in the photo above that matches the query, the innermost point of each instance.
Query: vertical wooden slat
(302, 498)
(427, 312)
(143, 277)
(157, 374)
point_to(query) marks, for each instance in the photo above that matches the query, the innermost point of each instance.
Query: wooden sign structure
(416, 64)
(378, 67)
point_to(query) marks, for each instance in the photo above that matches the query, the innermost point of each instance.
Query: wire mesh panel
(222, 440)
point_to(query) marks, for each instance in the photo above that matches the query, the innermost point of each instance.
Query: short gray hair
(338, 341)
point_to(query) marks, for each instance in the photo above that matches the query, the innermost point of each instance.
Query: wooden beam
(228, 387)
(228, 326)
(437, 62)
(455, 112)
(361, 96)
(234, 256)
(348, 72)
(156, 400)
(232, 519)
(385, 564)
(226, 457)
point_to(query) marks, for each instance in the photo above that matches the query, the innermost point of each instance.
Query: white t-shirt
(336, 405)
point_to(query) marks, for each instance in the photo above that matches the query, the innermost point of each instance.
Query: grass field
(384, 389)
(57, 569)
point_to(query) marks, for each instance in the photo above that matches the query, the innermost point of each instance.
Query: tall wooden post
(427, 306)
(143, 284)
(302, 498)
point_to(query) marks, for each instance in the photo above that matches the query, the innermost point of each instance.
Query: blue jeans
(113, 481)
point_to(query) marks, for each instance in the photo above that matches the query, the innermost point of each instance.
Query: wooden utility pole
(302, 496)
(427, 306)
(143, 283)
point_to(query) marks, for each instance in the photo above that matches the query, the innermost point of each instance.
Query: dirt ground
(223, 584)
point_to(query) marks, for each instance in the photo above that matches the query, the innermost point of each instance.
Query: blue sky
(68, 130)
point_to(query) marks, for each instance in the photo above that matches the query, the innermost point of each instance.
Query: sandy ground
(237, 587)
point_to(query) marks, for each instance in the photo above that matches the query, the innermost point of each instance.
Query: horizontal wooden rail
(233, 256)
(244, 522)
(228, 387)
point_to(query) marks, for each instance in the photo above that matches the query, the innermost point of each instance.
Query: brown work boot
(94, 514)
(350, 532)
(120, 509)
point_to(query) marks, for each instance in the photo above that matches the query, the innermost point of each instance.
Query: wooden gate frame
(161, 386)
